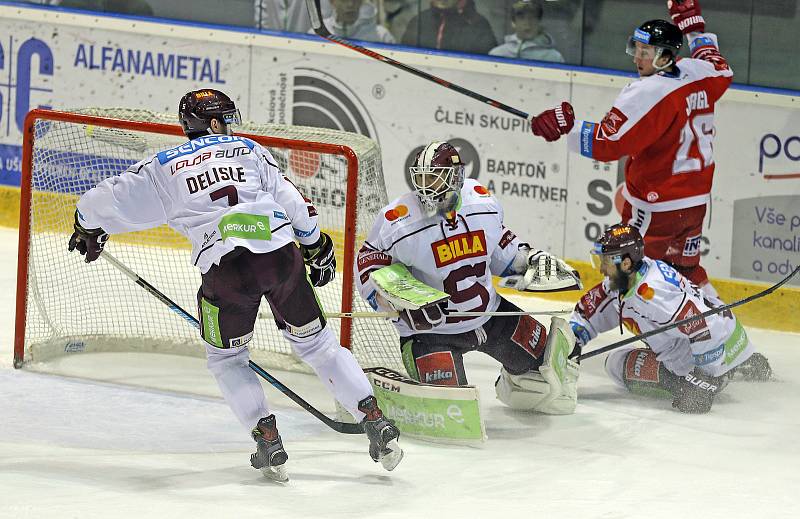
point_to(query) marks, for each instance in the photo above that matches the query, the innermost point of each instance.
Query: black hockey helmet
(618, 242)
(198, 107)
(658, 33)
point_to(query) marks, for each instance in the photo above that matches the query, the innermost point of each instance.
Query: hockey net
(68, 307)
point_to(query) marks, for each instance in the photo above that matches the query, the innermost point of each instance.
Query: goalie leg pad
(517, 342)
(436, 359)
(553, 389)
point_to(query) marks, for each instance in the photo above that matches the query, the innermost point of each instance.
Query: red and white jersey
(660, 296)
(220, 191)
(457, 256)
(664, 123)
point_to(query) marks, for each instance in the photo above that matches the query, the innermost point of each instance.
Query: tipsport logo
(467, 152)
(25, 69)
(324, 101)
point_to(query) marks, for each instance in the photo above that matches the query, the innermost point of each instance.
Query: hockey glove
(425, 318)
(540, 271)
(686, 15)
(696, 391)
(89, 242)
(321, 260)
(552, 124)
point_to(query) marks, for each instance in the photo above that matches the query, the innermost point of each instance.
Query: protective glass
(642, 51)
(437, 187)
(598, 259)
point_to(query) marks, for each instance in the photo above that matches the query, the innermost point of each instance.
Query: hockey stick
(315, 12)
(342, 427)
(392, 315)
(697, 317)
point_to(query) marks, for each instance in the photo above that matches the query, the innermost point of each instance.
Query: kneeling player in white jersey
(449, 233)
(689, 364)
(242, 215)
(664, 123)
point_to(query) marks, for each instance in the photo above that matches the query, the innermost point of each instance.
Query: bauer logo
(324, 101)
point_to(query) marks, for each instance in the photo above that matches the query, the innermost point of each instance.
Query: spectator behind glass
(136, 7)
(286, 15)
(451, 25)
(355, 19)
(529, 40)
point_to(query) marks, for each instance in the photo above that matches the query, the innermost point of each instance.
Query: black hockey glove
(426, 318)
(89, 242)
(321, 260)
(695, 392)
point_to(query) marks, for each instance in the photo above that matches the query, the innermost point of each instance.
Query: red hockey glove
(686, 15)
(552, 124)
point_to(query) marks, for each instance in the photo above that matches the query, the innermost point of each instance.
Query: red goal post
(65, 153)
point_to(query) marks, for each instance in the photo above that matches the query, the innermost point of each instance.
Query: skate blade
(277, 473)
(392, 458)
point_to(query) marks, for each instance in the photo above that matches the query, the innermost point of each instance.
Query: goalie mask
(656, 36)
(437, 176)
(198, 107)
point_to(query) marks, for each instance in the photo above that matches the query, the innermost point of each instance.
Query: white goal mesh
(67, 307)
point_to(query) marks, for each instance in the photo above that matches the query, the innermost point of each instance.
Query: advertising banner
(555, 200)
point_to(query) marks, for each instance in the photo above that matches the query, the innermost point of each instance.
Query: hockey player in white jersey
(689, 364)
(242, 216)
(449, 233)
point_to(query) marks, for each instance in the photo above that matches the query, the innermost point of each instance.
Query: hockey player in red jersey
(690, 364)
(664, 123)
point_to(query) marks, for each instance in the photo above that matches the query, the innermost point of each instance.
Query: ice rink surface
(150, 436)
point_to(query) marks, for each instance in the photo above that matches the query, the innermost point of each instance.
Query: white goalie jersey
(458, 255)
(219, 191)
(660, 296)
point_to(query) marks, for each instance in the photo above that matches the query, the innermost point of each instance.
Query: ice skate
(382, 434)
(270, 457)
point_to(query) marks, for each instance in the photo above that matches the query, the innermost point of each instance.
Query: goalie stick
(697, 317)
(342, 427)
(315, 12)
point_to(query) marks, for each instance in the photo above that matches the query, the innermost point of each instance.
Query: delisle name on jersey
(219, 191)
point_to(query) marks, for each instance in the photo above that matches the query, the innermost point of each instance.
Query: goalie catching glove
(321, 260)
(540, 271)
(89, 242)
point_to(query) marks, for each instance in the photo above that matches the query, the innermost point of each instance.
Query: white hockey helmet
(437, 176)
